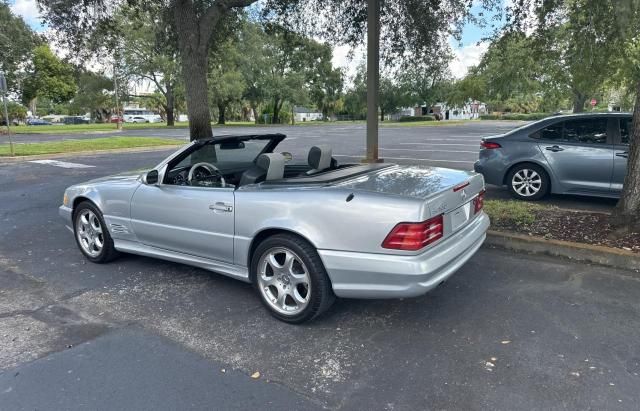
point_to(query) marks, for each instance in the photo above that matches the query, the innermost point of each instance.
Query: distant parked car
(583, 154)
(138, 119)
(76, 120)
(38, 122)
(116, 119)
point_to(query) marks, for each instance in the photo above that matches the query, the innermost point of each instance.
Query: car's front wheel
(291, 279)
(92, 235)
(528, 182)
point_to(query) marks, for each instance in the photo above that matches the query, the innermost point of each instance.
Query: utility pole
(3, 89)
(373, 79)
(115, 89)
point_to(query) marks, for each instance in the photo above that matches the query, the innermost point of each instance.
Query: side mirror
(287, 156)
(150, 177)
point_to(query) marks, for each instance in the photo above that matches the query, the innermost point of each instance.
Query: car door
(191, 220)
(580, 153)
(620, 155)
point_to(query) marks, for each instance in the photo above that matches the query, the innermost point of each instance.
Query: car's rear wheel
(291, 279)
(92, 235)
(528, 182)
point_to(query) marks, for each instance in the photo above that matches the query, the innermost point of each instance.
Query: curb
(607, 256)
(19, 159)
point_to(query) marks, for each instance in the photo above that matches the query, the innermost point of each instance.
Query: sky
(467, 52)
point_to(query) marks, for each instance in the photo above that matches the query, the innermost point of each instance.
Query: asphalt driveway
(508, 331)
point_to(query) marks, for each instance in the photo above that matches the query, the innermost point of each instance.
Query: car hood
(413, 181)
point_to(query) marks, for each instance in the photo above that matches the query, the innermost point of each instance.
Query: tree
(226, 82)
(392, 97)
(94, 95)
(48, 77)
(87, 23)
(151, 53)
(17, 42)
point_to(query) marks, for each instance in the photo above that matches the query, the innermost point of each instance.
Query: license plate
(460, 216)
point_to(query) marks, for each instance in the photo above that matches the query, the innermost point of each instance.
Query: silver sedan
(583, 154)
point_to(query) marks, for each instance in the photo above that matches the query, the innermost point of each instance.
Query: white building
(306, 114)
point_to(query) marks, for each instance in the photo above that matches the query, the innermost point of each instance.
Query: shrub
(416, 118)
(490, 117)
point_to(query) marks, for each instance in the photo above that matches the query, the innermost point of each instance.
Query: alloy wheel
(89, 232)
(526, 182)
(284, 281)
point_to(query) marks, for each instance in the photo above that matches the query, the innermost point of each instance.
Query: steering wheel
(213, 170)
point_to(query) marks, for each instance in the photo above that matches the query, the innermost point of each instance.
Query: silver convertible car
(301, 233)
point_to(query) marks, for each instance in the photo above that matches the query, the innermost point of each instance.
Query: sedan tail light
(489, 145)
(478, 202)
(414, 236)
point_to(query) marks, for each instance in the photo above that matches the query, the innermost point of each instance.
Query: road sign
(593, 102)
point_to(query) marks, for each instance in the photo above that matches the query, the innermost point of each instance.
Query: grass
(511, 212)
(108, 127)
(69, 146)
(84, 128)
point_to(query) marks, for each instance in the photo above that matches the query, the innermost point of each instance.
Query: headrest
(273, 164)
(320, 157)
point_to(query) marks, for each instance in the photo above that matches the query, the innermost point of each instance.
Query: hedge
(416, 118)
(515, 116)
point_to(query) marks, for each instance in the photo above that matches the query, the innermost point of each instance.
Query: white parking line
(62, 164)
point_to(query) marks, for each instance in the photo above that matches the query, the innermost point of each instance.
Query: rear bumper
(367, 275)
(492, 170)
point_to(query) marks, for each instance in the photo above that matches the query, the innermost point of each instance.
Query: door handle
(555, 149)
(226, 208)
(624, 154)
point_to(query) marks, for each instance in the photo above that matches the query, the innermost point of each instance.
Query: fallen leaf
(506, 342)
(575, 373)
(255, 375)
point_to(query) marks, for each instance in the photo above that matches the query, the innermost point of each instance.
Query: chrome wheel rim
(89, 233)
(284, 281)
(526, 182)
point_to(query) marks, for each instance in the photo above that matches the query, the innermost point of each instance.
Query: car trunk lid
(444, 191)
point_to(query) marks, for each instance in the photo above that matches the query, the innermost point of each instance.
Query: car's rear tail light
(478, 202)
(489, 145)
(414, 236)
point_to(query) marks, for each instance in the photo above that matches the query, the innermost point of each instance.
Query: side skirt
(230, 270)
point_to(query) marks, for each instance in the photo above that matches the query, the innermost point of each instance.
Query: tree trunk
(627, 212)
(381, 115)
(254, 108)
(222, 108)
(171, 102)
(194, 59)
(578, 102)
(276, 111)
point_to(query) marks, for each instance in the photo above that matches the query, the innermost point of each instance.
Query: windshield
(227, 157)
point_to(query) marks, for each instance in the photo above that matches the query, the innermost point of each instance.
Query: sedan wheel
(284, 281)
(528, 182)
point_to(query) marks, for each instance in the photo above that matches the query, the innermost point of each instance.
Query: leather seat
(267, 167)
(320, 159)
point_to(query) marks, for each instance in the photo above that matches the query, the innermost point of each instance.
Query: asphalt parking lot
(508, 331)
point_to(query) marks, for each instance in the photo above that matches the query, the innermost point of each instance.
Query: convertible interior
(235, 161)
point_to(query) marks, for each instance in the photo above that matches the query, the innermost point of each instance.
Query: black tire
(108, 252)
(539, 183)
(321, 296)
